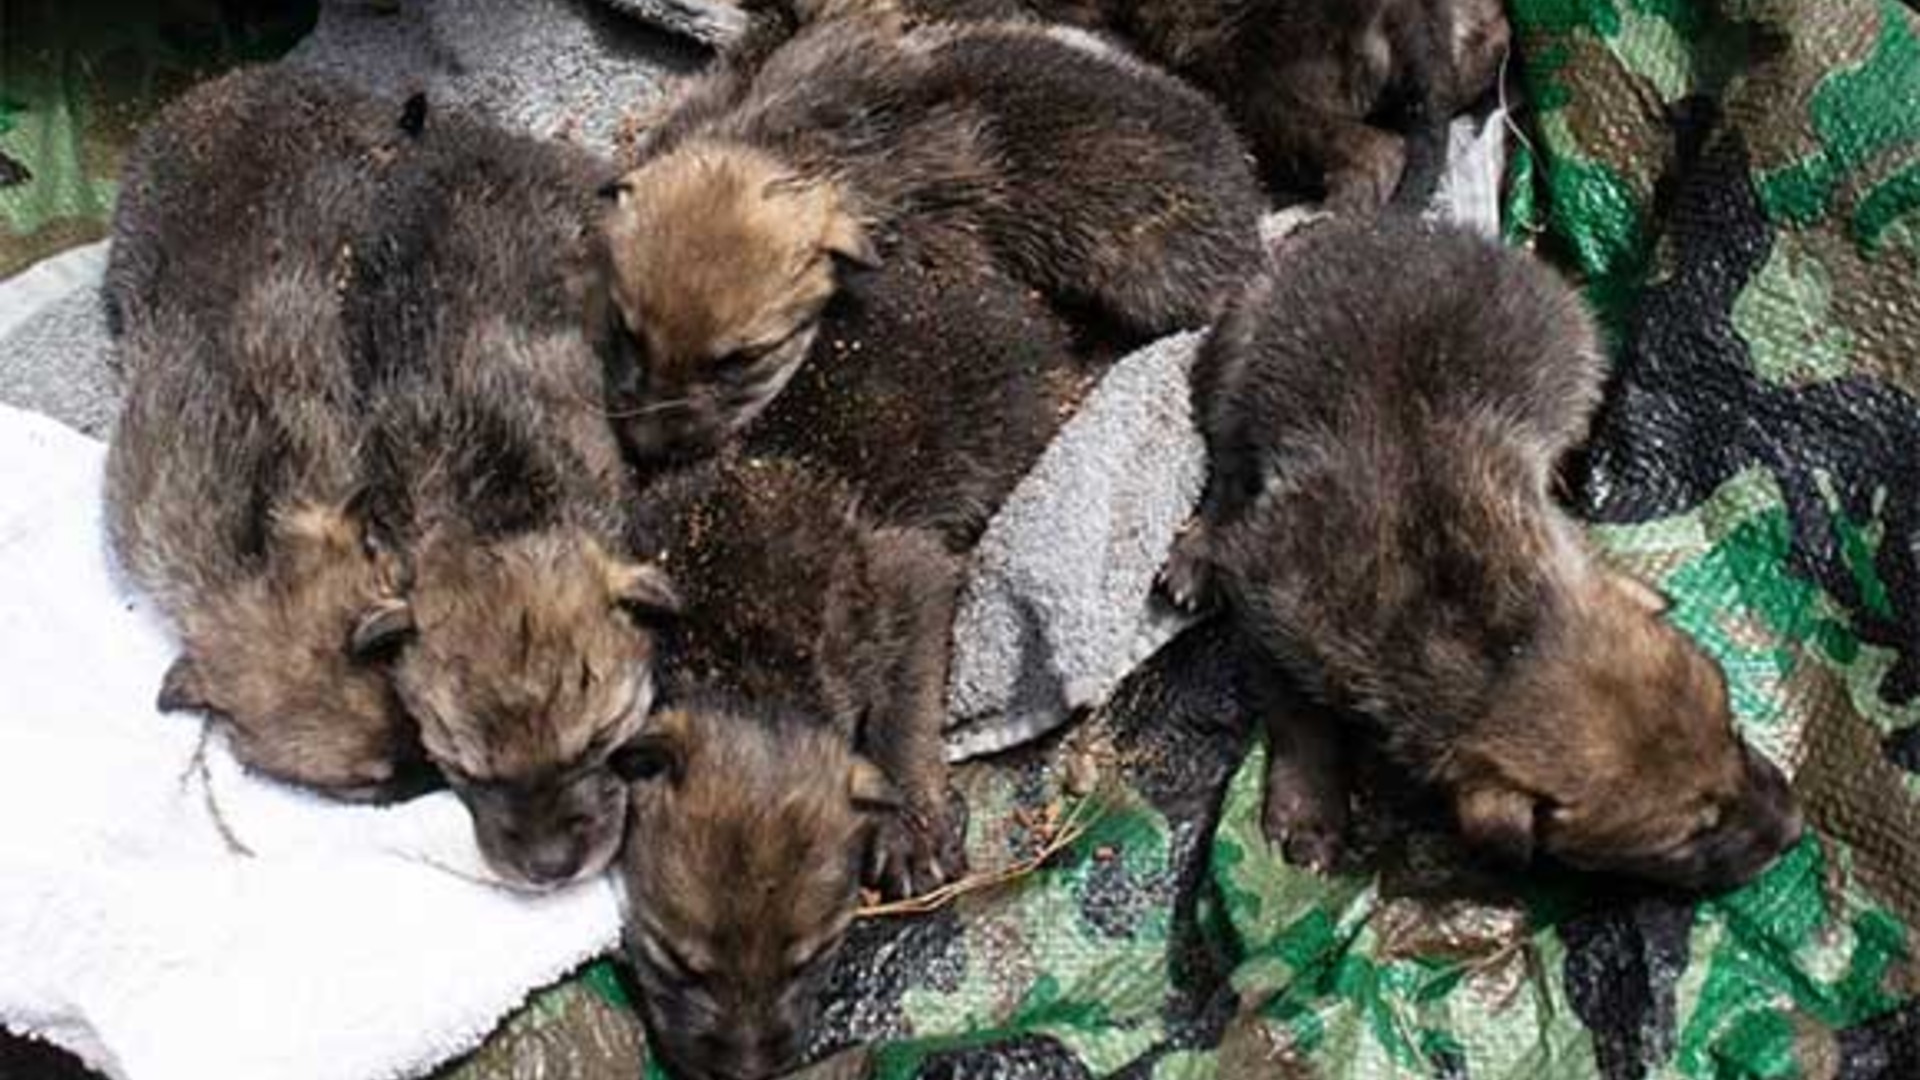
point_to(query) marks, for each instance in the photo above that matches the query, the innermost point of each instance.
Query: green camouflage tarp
(1737, 186)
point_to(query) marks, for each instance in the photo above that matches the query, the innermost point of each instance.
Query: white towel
(350, 944)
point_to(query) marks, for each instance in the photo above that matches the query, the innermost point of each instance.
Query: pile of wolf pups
(632, 506)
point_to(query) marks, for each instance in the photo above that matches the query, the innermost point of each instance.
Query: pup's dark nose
(756, 1055)
(1764, 823)
(553, 861)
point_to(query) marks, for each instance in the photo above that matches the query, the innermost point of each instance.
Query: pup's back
(791, 592)
(935, 384)
(261, 161)
(1126, 190)
(1407, 391)
(233, 473)
(475, 340)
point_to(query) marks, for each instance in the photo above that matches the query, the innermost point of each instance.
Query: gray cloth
(1057, 608)
(558, 68)
(53, 341)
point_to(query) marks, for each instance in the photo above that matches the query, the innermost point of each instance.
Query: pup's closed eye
(740, 361)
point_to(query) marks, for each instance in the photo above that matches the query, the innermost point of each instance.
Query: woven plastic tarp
(1737, 185)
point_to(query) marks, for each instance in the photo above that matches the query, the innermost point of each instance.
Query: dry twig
(1071, 828)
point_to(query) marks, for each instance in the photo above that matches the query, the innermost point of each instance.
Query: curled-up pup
(1346, 98)
(234, 486)
(1092, 180)
(796, 753)
(1378, 517)
(524, 651)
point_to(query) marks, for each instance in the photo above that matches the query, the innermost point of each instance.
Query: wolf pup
(796, 752)
(233, 481)
(1378, 517)
(1347, 98)
(767, 186)
(524, 650)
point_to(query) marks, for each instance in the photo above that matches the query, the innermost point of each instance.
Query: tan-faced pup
(525, 650)
(1092, 180)
(796, 753)
(1378, 517)
(233, 480)
(1343, 97)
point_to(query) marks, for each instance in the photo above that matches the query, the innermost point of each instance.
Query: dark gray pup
(795, 752)
(233, 481)
(525, 649)
(1379, 518)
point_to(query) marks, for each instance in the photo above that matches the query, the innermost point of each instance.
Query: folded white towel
(344, 943)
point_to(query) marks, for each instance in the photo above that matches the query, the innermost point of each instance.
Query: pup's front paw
(1187, 578)
(914, 853)
(1308, 828)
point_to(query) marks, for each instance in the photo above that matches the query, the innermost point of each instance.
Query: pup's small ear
(380, 628)
(180, 687)
(643, 589)
(616, 192)
(658, 753)
(1640, 594)
(870, 790)
(413, 114)
(1499, 821)
(847, 239)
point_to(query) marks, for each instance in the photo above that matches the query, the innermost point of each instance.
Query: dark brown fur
(765, 186)
(797, 752)
(526, 656)
(1336, 96)
(934, 386)
(233, 480)
(1378, 516)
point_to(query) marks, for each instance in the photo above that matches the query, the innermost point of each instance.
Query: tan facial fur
(530, 663)
(722, 261)
(747, 836)
(1618, 753)
(283, 659)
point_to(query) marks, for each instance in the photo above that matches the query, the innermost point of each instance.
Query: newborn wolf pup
(797, 753)
(1378, 517)
(1349, 98)
(233, 479)
(1092, 179)
(525, 648)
